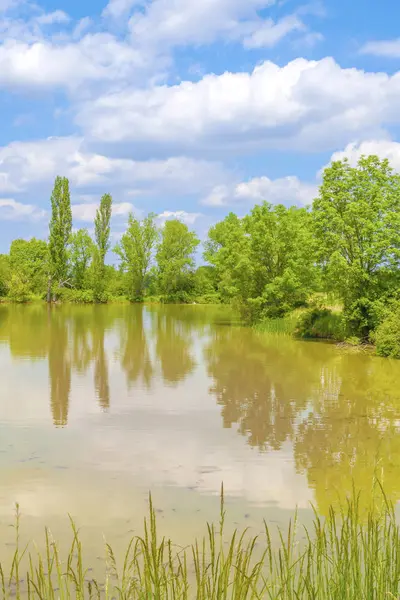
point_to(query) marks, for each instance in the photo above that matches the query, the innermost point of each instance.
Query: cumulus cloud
(169, 23)
(388, 48)
(382, 148)
(308, 105)
(181, 215)
(11, 210)
(96, 57)
(87, 211)
(27, 164)
(286, 190)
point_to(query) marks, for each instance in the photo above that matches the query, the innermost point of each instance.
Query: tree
(265, 261)
(281, 258)
(357, 226)
(175, 261)
(5, 274)
(136, 252)
(102, 237)
(81, 248)
(60, 231)
(227, 250)
(28, 262)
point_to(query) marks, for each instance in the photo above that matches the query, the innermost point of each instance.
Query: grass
(344, 557)
(280, 326)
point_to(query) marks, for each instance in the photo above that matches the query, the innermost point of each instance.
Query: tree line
(268, 263)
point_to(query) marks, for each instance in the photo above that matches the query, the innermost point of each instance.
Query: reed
(279, 326)
(343, 557)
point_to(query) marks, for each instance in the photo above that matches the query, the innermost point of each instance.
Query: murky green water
(99, 405)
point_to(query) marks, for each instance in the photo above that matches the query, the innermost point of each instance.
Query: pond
(101, 404)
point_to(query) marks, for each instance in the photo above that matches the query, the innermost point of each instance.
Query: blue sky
(186, 108)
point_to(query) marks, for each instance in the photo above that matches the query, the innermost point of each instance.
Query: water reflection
(335, 415)
(101, 383)
(59, 366)
(173, 346)
(134, 343)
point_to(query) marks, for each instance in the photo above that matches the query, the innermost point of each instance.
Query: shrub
(208, 298)
(318, 322)
(387, 335)
(180, 297)
(75, 296)
(19, 290)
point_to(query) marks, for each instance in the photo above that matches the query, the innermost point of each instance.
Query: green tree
(175, 261)
(227, 250)
(81, 248)
(281, 257)
(102, 237)
(265, 262)
(136, 253)
(357, 227)
(60, 231)
(5, 274)
(28, 262)
(206, 284)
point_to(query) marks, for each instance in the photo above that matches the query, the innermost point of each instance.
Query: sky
(187, 108)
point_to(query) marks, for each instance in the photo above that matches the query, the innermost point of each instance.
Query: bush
(361, 317)
(209, 298)
(180, 297)
(321, 323)
(75, 296)
(387, 335)
(19, 290)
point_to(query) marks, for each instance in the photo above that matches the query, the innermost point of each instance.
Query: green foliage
(102, 226)
(286, 325)
(75, 295)
(387, 335)
(357, 226)
(29, 260)
(81, 249)
(318, 322)
(5, 274)
(19, 288)
(175, 262)
(136, 253)
(60, 232)
(264, 262)
(102, 236)
(226, 249)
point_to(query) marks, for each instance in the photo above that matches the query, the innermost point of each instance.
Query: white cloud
(311, 105)
(27, 164)
(96, 57)
(388, 48)
(286, 190)
(189, 22)
(382, 148)
(181, 215)
(11, 210)
(269, 33)
(87, 212)
(118, 8)
(57, 16)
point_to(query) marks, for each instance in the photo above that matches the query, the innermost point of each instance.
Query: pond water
(100, 405)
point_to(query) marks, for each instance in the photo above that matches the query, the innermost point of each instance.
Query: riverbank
(330, 324)
(348, 556)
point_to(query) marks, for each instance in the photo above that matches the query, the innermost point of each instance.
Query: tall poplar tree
(102, 237)
(60, 231)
